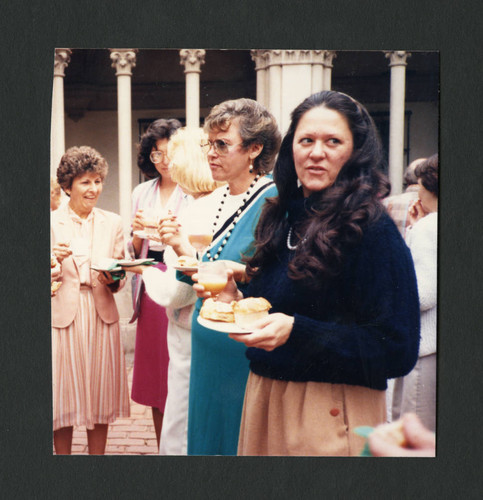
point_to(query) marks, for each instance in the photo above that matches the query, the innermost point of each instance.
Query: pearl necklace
(289, 237)
(242, 207)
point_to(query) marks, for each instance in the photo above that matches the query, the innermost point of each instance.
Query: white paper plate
(221, 326)
(101, 270)
(135, 262)
(186, 268)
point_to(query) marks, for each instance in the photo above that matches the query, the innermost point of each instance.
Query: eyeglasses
(157, 156)
(220, 147)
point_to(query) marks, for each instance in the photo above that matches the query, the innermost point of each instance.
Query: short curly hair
(189, 166)
(77, 161)
(256, 126)
(428, 173)
(159, 129)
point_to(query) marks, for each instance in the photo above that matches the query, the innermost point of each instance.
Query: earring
(298, 183)
(250, 168)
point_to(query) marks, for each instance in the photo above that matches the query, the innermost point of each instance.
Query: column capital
(329, 57)
(123, 60)
(61, 61)
(267, 58)
(318, 56)
(397, 57)
(192, 59)
(297, 56)
(260, 57)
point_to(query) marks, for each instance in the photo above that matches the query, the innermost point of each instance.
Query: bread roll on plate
(217, 311)
(248, 311)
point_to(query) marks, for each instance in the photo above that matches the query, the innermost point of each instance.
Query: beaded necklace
(289, 237)
(242, 207)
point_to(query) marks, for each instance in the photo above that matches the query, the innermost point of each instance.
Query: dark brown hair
(339, 213)
(428, 173)
(159, 129)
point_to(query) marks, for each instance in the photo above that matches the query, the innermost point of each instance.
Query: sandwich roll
(217, 311)
(248, 311)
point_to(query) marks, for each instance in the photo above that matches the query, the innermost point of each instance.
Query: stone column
(296, 82)
(260, 57)
(123, 60)
(398, 64)
(328, 65)
(192, 59)
(318, 60)
(57, 127)
(274, 66)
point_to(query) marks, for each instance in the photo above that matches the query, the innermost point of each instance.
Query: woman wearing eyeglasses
(161, 193)
(243, 142)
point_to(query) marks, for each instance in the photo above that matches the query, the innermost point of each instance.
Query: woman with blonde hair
(190, 170)
(55, 194)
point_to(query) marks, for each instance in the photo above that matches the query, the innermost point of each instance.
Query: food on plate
(247, 311)
(54, 286)
(392, 433)
(187, 261)
(217, 311)
(53, 261)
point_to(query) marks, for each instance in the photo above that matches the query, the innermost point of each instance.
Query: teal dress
(219, 366)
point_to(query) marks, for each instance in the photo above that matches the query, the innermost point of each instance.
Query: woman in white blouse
(416, 392)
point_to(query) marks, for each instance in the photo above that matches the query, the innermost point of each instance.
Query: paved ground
(126, 436)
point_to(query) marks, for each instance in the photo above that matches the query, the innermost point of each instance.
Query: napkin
(364, 431)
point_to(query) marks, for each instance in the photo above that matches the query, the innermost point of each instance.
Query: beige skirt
(306, 418)
(89, 378)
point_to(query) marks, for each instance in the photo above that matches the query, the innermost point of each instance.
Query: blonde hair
(54, 188)
(189, 164)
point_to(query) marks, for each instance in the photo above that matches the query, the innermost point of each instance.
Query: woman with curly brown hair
(88, 369)
(342, 287)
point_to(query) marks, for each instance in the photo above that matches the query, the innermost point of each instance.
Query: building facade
(106, 97)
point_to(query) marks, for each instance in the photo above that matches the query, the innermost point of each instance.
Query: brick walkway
(126, 436)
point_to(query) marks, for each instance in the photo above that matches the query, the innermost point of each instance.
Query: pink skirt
(151, 359)
(89, 379)
(306, 418)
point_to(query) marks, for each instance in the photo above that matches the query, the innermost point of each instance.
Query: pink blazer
(108, 241)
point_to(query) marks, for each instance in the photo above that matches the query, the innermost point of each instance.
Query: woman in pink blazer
(88, 368)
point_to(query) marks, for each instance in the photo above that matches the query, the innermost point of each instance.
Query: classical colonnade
(284, 79)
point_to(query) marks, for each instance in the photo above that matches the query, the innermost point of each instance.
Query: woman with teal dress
(243, 142)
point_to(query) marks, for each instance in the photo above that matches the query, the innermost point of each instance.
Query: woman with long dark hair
(342, 287)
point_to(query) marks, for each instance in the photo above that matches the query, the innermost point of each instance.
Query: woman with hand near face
(416, 392)
(88, 369)
(341, 282)
(160, 194)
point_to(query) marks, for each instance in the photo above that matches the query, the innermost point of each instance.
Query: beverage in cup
(213, 276)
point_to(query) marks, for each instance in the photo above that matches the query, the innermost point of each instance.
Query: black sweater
(362, 330)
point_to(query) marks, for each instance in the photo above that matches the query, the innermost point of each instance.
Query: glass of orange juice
(213, 276)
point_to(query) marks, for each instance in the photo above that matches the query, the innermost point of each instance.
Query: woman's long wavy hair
(339, 213)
